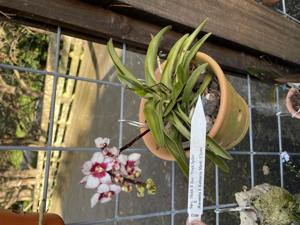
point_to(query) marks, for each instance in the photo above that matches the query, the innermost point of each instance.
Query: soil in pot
(211, 103)
(295, 99)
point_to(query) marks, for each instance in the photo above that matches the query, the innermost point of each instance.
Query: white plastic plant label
(197, 163)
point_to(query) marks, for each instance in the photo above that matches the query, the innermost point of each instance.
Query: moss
(277, 207)
(16, 159)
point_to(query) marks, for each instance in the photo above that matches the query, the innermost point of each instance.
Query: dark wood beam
(244, 22)
(92, 22)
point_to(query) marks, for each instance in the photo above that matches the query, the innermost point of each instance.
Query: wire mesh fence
(175, 213)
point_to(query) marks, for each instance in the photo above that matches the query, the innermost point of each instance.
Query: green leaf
(191, 38)
(187, 91)
(191, 54)
(150, 60)
(218, 161)
(180, 127)
(166, 77)
(203, 86)
(132, 84)
(177, 151)
(154, 122)
(124, 73)
(16, 158)
(214, 147)
(175, 94)
(181, 76)
(182, 115)
(21, 130)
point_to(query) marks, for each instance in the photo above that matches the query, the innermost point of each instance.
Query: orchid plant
(170, 99)
(109, 172)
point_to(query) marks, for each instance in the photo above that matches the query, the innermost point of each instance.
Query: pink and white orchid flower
(109, 172)
(104, 193)
(130, 164)
(102, 142)
(96, 171)
(111, 152)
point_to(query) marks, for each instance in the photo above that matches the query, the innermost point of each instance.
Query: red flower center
(130, 166)
(108, 194)
(98, 169)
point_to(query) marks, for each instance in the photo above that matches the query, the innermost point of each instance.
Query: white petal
(122, 159)
(137, 169)
(106, 141)
(115, 188)
(97, 157)
(94, 199)
(114, 151)
(134, 157)
(123, 171)
(92, 182)
(137, 162)
(109, 162)
(83, 180)
(106, 179)
(99, 142)
(104, 200)
(285, 156)
(86, 167)
(103, 188)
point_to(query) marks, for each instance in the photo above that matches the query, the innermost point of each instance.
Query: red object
(10, 218)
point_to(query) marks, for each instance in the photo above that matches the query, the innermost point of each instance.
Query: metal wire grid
(284, 12)
(49, 148)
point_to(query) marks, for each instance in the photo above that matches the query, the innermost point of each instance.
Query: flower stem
(134, 181)
(126, 179)
(134, 140)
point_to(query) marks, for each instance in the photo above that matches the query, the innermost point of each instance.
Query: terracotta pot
(289, 104)
(232, 120)
(10, 218)
(270, 2)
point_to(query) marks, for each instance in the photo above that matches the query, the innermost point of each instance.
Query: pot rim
(289, 104)
(217, 71)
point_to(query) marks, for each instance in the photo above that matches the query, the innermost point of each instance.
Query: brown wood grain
(241, 21)
(92, 22)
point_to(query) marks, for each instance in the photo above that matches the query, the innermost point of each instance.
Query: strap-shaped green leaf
(175, 94)
(218, 161)
(126, 73)
(203, 86)
(181, 75)
(191, 54)
(187, 91)
(166, 77)
(154, 122)
(180, 127)
(150, 60)
(215, 148)
(177, 151)
(190, 39)
(132, 84)
(180, 113)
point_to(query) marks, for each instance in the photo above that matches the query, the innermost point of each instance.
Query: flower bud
(137, 173)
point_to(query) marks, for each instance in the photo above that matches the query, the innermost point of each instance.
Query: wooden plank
(99, 24)
(244, 22)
